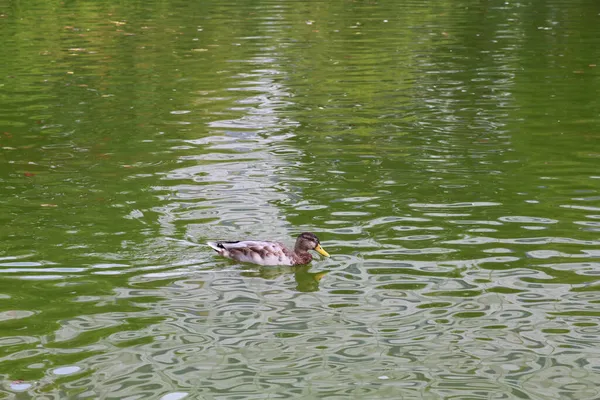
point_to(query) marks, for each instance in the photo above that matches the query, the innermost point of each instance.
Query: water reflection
(305, 280)
(230, 187)
(420, 141)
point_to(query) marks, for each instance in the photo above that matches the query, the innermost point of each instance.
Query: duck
(271, 253)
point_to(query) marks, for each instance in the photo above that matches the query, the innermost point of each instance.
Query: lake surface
(447, 154)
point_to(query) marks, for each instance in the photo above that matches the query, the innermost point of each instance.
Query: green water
(447, 154)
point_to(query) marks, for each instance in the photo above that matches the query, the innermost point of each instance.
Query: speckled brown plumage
(271, 253)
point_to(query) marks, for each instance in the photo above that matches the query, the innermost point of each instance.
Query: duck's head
(309, 241)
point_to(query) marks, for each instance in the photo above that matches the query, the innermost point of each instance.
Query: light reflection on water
(462, 235)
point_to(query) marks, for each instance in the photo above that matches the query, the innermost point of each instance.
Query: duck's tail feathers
(216, 246)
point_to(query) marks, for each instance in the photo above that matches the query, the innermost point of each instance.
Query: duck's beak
(320, 250)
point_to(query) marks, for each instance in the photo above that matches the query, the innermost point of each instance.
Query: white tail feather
(215, 246)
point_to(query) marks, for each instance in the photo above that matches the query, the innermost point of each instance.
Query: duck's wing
(254, 251)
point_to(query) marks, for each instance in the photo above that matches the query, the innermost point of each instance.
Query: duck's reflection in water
(306, 281)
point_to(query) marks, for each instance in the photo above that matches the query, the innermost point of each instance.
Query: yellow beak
(320, 250)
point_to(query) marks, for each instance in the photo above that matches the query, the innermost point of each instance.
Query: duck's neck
(303, 256)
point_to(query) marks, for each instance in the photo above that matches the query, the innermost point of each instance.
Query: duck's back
(255, 251)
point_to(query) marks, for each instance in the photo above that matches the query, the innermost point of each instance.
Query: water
(445, 153)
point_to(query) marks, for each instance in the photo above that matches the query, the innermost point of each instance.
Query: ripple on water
(68, 370)
(19, 386)
(174, 396)
(15, 314)
(455, 205)
(427, 293)
(531, 220)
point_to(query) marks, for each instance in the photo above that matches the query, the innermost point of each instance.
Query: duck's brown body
(270, 253)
